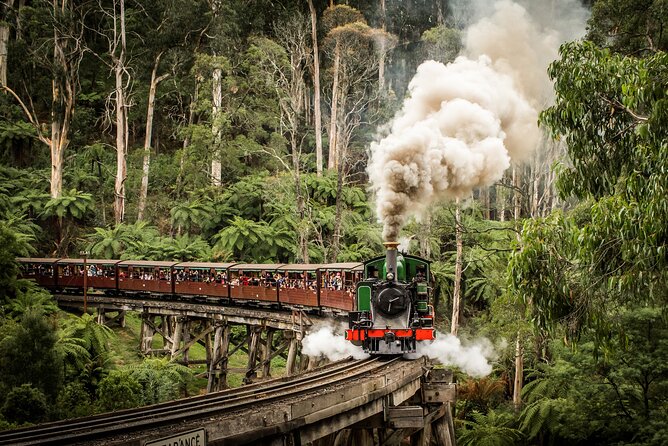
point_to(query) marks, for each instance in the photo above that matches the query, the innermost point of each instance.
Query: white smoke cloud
(330, 342)
(473, 359)
(465, 122)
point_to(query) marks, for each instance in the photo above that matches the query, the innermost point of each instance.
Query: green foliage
(612, 112)
(161, 380)
(191, 214)
(12, 245)
(340, 15)
(25, 404)
(112, 243)
(15, 133)
(109, 243)
(151, 382)
(492, 429)
(74, 401)
(184, 248)
(71, 203)
(93, 337)
(441, 43)
(30, 298)
(543, 272)
(481, 395)
(28, 355)
(248, 240)
(629, 26)
(119, 390)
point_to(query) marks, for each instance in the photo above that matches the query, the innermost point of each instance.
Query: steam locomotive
(393, 311)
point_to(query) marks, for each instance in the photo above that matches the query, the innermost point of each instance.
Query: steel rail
(97, 426)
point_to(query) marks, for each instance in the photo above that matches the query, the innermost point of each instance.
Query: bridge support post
(178, 334)
(146, 333)
(167, 330)
(292, 353)
(219, 354)
(103, 319)
(268, 346)
(187, 325)
(255, 332)
(443, 428)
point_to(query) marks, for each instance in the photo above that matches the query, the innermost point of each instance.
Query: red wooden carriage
(298, 284)
(202, 279)
(255, 282)
(337, 284)
(101, 273)
(145, 276)
(42, 271)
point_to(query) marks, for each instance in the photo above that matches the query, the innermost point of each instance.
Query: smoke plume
(448, 350)
(465, 122)
(329, 341)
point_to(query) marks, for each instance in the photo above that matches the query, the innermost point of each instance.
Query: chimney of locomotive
(391, 260)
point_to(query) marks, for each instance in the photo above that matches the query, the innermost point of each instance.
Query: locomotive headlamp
(390, 276)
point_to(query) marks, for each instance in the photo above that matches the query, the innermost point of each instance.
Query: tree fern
(493, 429)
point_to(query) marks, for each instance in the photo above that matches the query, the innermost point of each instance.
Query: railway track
(96, 427)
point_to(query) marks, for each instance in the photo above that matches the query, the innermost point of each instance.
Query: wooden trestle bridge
(181, 325)
(378, 401)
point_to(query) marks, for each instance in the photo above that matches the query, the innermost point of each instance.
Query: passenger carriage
(254, 282)
(202, 279)
(145, 277)
(101, 274)
(298, 285)
(41, 270)
(337, 284)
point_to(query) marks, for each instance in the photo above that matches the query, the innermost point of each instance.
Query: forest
(248, 130)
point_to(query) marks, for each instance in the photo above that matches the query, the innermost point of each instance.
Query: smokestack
(391, 259)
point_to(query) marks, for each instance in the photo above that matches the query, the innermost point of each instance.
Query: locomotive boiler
(393, 311)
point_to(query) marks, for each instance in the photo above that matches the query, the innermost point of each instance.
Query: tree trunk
(121, 148)
(336, 242)
(519, 354)
(217, 97)
(63, 87)
(316, 90)
(118, 55)
(501, 191)
(456, 292)
(423, 236)
(4, 38)
(67, 54)
(519, 374)
(535, 186)
(381, 62)
(333, 156)
(143, 191)
(186, 140)
(58, 144)
(517, 196)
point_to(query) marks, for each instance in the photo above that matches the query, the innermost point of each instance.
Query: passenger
(337, 282)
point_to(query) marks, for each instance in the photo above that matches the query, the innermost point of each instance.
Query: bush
(74, 401)
(25, 404)
(119, 390)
